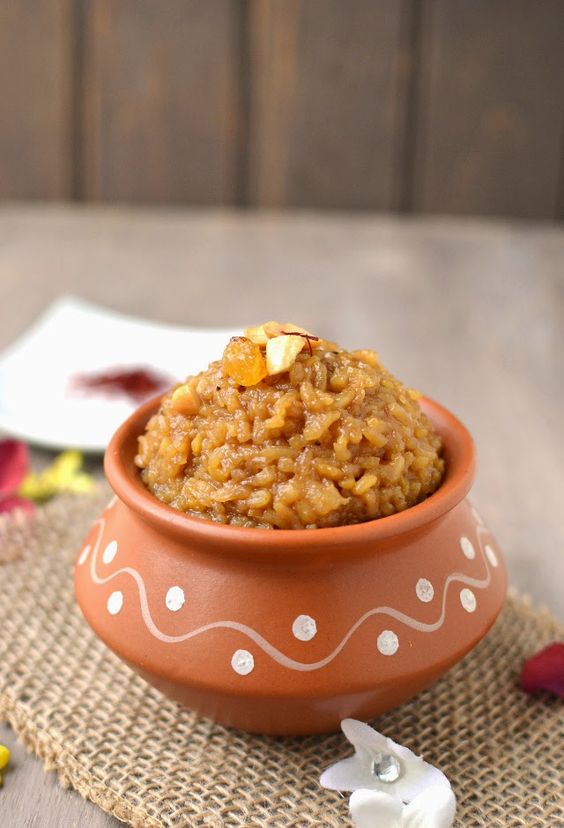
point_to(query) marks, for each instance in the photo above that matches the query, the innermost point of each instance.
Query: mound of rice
(332, 439)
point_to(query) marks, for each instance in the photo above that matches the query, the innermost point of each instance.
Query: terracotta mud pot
(290, 631)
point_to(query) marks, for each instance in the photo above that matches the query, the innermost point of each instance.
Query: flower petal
(434, 808)
(13, 464)
(13, 502)
(363, 736)
(545, 670)
(374, 809)
(417, 775)
(356, 772)
(63, 475)
(348, 775)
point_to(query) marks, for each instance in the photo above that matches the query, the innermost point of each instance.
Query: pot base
(287, 716)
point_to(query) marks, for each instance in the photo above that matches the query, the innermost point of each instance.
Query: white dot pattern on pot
(103, 550)
(468, 548)
(110, 552)
(115, 602)
(243, 662)
(175, 598)
(468, 599)
(424, 590)
(388, 643)
(304, 628)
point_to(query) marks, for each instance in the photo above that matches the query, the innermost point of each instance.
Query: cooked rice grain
(335, 440)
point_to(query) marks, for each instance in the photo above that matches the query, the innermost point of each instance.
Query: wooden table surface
(471, 312)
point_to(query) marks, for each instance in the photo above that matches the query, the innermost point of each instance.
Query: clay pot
(290, 631)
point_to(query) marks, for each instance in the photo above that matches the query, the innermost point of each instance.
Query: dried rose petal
(13, 465)
(545, 670)
(12, 502)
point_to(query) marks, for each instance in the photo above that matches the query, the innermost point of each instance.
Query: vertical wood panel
(161, 100)
(326, 106)
(491, 116)
(35, 99)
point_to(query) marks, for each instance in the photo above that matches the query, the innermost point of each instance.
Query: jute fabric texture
(153, 764)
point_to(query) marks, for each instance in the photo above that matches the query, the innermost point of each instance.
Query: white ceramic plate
(37, 402)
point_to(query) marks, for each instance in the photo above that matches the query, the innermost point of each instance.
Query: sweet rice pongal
(289, 431)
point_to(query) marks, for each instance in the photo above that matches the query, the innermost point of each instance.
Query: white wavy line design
(268, 648)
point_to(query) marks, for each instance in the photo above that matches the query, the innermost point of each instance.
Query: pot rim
(125, 479)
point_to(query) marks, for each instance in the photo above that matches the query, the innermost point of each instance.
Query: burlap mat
(150, 763)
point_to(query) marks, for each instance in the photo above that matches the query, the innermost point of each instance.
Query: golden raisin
(243, 361)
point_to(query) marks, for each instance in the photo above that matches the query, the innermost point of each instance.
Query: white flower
(379, 764)
(434, 808)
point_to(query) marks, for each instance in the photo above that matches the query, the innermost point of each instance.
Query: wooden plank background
(452, 106)
(326, 113)
(36, 99)
(160, 100)
(491, 103)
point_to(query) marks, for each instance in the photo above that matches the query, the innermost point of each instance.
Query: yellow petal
(4, 757)
(80, 484)
(66, 465)
(34, 487)
(63, 475)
